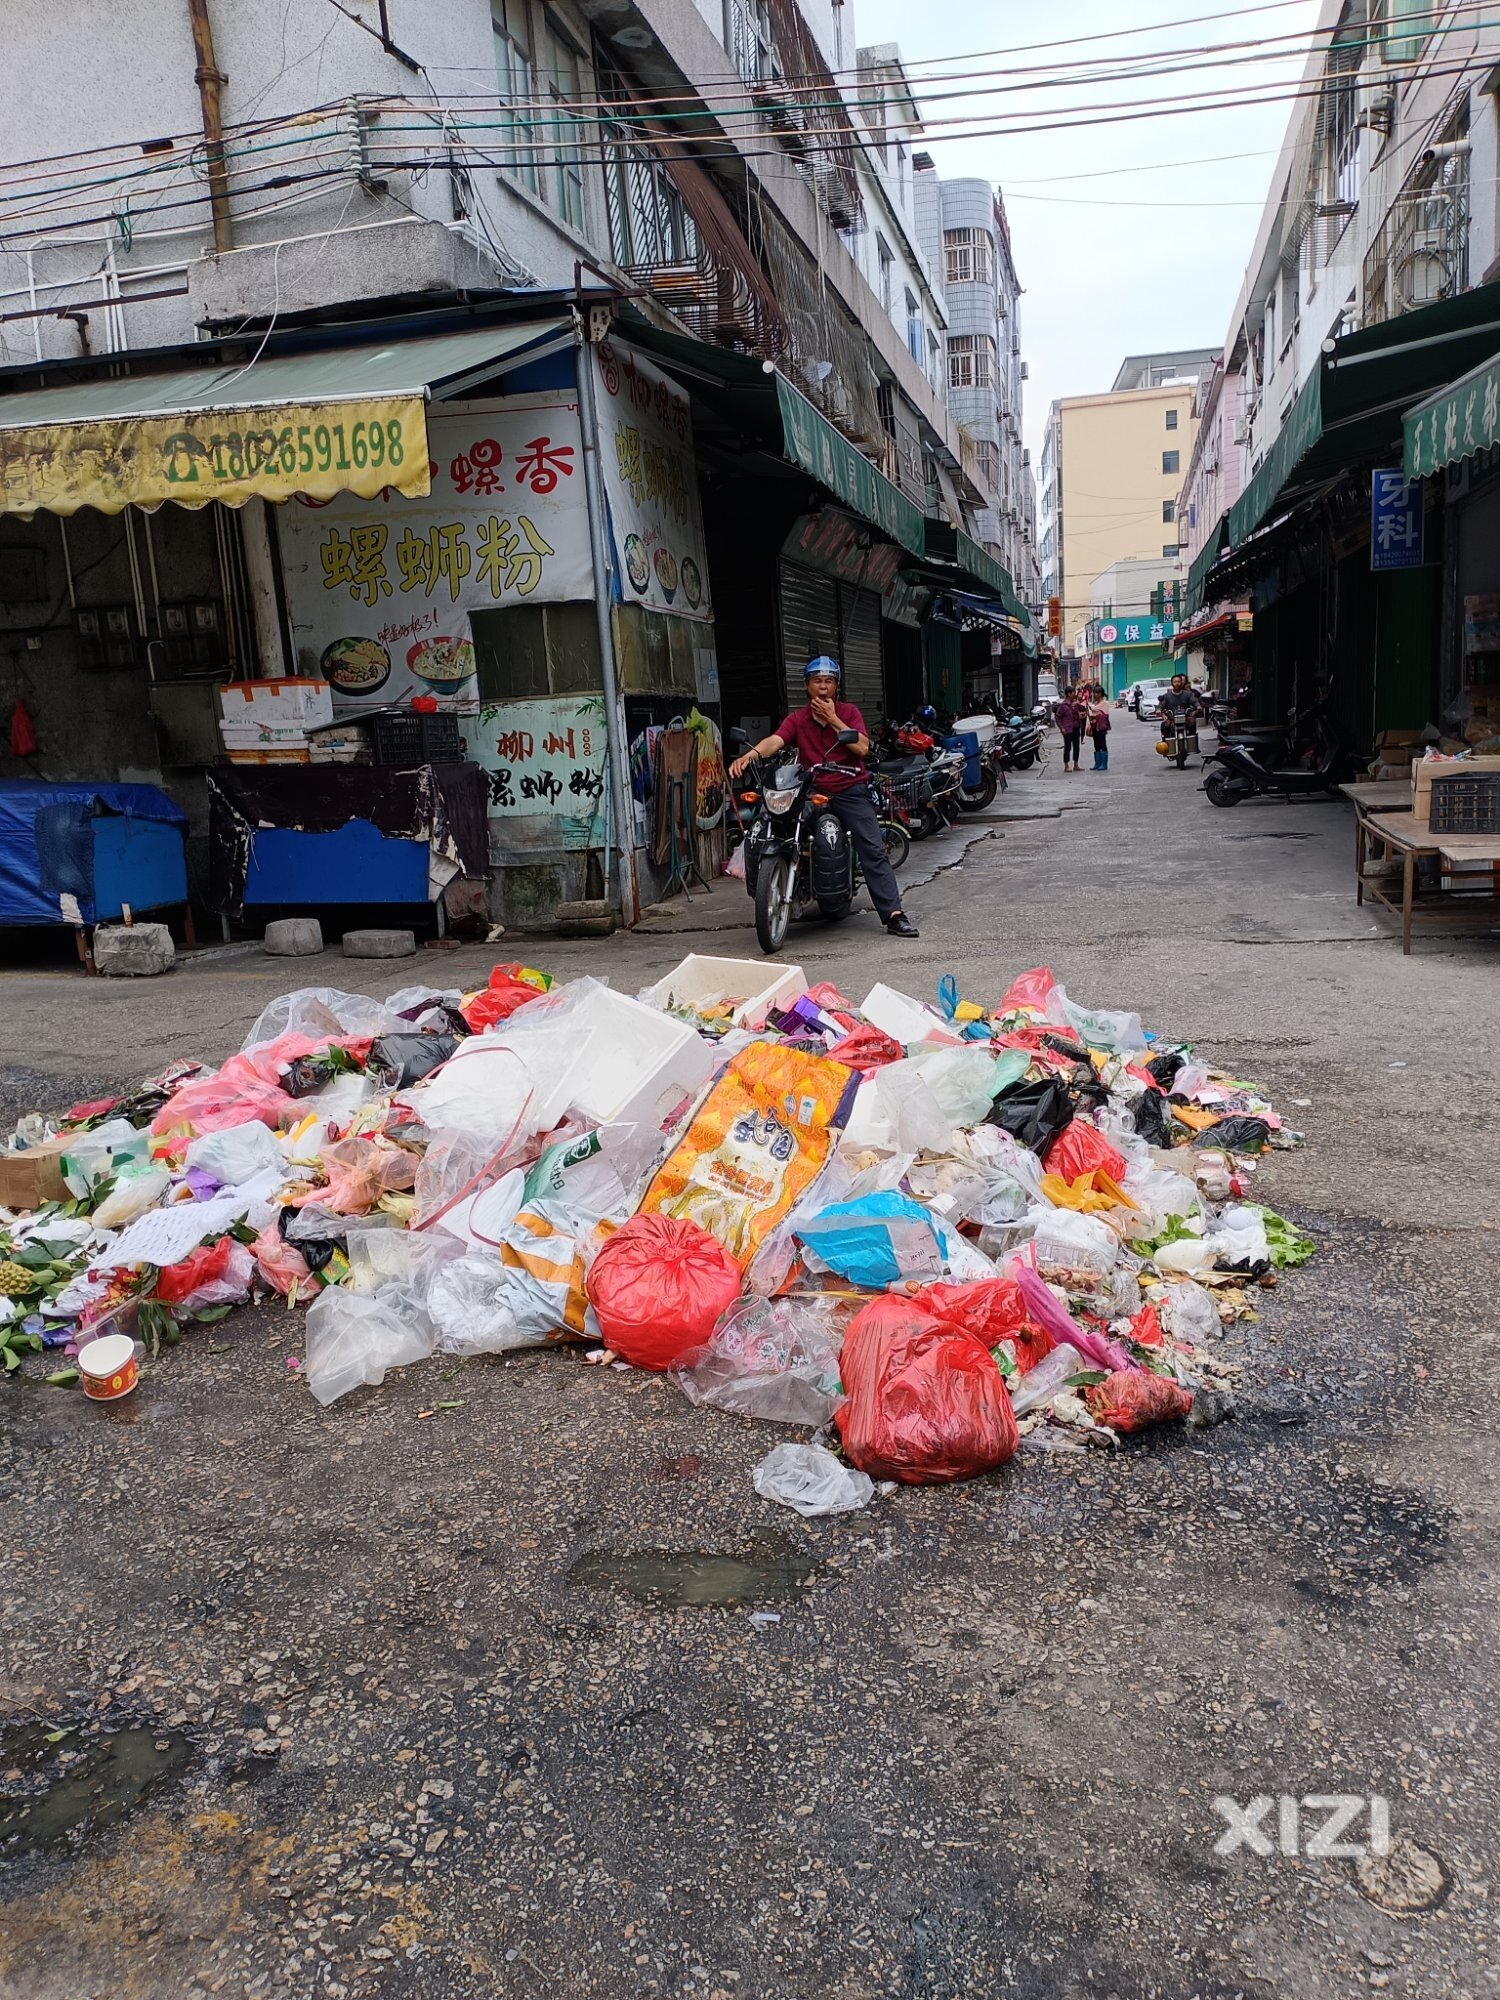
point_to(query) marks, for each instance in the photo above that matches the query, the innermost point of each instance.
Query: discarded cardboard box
(28, 1179)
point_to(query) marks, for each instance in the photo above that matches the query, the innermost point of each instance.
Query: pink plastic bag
(1043, 1309)
(360, 1172)
(280, 1263)
(1032, 990)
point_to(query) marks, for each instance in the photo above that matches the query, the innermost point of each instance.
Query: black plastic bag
(1236, 1135)
(1164, 1069)
(315, 1072)
(402, 1059)
(319, 1234)
(1033, 1113)
(1153, 1121)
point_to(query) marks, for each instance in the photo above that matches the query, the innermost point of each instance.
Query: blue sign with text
(1396, 524)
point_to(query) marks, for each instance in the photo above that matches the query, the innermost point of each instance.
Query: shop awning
(775, 410)
(1457, 421)
(317, 421)
(1191, 635)
(958, 559)
(1204, 561)
(1349, 412)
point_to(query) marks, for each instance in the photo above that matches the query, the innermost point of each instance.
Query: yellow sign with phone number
(317, 449)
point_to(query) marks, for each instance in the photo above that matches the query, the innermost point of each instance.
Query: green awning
(1459, 420)
(1349, 413)
(1204, 561)
(765, 406)
(814, 444)
(966, 565)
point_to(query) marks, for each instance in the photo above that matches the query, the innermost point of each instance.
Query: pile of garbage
(925, 1233)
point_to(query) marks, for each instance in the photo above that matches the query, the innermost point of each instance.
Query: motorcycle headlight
(779, 802)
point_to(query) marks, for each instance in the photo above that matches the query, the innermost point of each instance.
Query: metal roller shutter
(809, 625)
(864, 679)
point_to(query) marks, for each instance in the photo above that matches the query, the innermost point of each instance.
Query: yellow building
(1112, 468)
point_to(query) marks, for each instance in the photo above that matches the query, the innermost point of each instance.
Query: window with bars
(750, 32)
(971, 361)
(987, 458)
(649, 224)
(515, 74)
(968, 257)
(1341, 128)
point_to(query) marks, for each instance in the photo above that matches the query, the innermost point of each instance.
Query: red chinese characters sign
(651, 484)
(380, 591)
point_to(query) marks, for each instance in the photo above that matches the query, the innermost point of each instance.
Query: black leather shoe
(902, 926)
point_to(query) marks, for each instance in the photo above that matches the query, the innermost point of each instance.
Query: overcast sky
(1149, 250)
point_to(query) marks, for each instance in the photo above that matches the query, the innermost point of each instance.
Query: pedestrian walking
(1068, 716)
(1098, 727)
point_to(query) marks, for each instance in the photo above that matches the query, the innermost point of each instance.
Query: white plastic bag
(92, 1156)
(905, 1100)
(1048, 1379)
(137, 1189)
(237, 1154)
(1187, 1312)
(1100, 1027)
(322, 1010)
(468, 1301)
(812, 1480)
(353, 1340)
(962, 1080)
(777, 1359)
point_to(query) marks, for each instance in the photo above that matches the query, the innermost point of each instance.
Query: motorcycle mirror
(738, 735)
(847, 736)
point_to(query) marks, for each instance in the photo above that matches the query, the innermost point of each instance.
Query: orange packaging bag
(763, 1132)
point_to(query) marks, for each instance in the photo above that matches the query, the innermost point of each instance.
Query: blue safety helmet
(823, 664)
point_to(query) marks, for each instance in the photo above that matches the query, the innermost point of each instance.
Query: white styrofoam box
(304, 703)
(639, 1067)
(482, 1086)
(904, 1019)
(982, 726)
(262, 735)
(700, 980)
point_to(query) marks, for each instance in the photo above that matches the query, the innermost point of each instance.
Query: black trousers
(855, 809)
(1071, 740)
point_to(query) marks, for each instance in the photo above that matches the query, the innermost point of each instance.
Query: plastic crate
(415, 738)
(1468, 804)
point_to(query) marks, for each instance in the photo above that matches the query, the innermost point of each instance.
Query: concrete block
(380, 944)
(133, 951)
(293, 937)
(591, 918)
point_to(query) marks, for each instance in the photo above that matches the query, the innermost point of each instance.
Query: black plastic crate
(1465, 804)
(414, 738)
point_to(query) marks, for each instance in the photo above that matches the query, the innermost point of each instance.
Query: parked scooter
(927, 778)
(1022, 742)
(1242, 773)
(803, 853)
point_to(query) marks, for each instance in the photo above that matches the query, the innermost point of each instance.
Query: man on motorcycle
(1179, 699)
(811, 734)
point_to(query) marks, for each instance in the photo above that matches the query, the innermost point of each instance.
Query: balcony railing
(1421, 250)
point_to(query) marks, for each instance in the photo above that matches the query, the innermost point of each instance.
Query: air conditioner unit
(1025, 371)
(1377, 103)
(1242, 431)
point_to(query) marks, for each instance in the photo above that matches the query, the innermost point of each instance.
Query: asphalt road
(365, 1701)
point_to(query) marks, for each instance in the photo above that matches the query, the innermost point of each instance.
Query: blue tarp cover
(46, 843)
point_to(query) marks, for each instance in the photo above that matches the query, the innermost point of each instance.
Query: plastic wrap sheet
(442, 804)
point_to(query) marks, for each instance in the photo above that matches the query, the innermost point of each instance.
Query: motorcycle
(1180, 735)
(927, 779)
(1245, 773)
(1021, 742)
(803, 853)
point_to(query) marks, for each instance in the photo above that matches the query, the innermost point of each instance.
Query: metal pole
(209, 78)
(615, 747)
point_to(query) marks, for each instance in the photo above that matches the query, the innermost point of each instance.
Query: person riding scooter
(1179, 700)
(812, 735)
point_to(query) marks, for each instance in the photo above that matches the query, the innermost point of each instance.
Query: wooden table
(1399, 834)
(1380, 794)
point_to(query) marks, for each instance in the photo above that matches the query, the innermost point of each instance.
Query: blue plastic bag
(875, 1240)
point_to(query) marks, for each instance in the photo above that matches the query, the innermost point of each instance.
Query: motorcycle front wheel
(773, 901)
(982, 795)
(1222, 789)
(1182, 756)
(897, 846)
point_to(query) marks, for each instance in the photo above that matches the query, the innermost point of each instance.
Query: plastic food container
(702, 980)
(641, 1067)
(109, 1368)
(1185, 1258)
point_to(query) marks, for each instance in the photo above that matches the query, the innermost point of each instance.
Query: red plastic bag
(658, 1287)
(991, 1309)
(216, 1274)
(1132, 1400)
(506, 992)
(1031, 990)
(867, 1048)
(926, 1402)
(1080, 1149)
(1145, 1328)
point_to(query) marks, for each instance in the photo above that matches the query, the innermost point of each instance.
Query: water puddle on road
(768, 1572)
(68, 1792)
